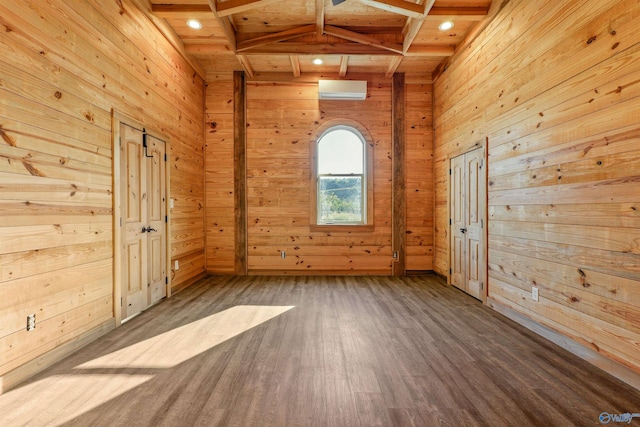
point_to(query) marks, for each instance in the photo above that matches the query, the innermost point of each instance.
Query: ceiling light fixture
(446, 25)
(317, 61)
(195, 24)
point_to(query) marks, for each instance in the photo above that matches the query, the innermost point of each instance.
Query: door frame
(484, 263)
(118, 119)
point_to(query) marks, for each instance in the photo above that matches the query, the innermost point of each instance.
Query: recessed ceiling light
(194, 23)
(446, 25)
(317, 61)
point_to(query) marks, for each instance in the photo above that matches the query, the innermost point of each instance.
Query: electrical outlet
(171, 204)
(283, 254)
(31, 322)
(534, 293)
(177, 265)
(395, 254)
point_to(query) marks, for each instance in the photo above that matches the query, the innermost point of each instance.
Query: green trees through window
(341, 179)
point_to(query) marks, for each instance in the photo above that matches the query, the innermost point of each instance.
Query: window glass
(341, 195)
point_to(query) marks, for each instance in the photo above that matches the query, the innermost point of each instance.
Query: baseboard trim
(21, 374)
(608, 365)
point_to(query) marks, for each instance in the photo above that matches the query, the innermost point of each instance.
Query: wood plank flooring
(319, 351)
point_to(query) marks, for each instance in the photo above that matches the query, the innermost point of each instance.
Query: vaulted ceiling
(352, 36)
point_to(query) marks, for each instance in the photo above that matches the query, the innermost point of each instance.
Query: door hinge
(481, 285)
(165, 157)
(120, 222)
(450, 221)
(166, 219)
(481, 223)
(481, 163)
(166, 280)
(120, 301)
(449, 171)
(450, 271)
(120, 141)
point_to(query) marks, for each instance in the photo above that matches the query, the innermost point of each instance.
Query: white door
(468, 204)
(144, 237)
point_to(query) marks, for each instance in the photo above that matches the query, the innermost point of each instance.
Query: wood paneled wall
(219, 175)
(554, 87)
(419, 175)
(282, 121)
(64, 65)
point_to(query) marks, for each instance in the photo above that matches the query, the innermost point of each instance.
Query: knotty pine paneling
(219, 174)
(282, 124)
(65, 65)
(282, 121)
(561, 117)
(419, 176)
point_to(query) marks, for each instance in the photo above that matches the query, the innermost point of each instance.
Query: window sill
(349, 228)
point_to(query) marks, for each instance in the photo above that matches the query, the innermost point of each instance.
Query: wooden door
(156, 219)
(467, 222)
(143, 207)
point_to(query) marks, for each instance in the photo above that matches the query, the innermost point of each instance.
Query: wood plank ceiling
(353, 36)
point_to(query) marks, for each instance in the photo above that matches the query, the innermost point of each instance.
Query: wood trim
(240, 171)
(344, 63)
(608, 365)
(399, 195)
(319, 17)
(230, 7)
(313, 190)
(400, 7)
(295, 65)
(333, 228)
(117, 119)
(485, 212)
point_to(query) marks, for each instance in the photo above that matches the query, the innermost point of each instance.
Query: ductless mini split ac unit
(342, 89)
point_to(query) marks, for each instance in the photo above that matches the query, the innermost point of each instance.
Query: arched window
(341, 178)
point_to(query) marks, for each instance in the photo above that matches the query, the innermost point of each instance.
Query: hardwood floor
(319, 351)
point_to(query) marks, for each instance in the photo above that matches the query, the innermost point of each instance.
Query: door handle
(463, 230)
(148, 229)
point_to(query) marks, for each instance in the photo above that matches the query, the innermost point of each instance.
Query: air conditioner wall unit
(342, 89)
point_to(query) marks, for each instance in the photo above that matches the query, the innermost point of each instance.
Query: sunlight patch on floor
(61, 398)
(180, 344)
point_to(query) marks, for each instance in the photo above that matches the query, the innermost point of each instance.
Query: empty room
(319, 212)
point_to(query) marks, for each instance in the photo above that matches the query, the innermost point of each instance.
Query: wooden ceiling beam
(361, 38)
(401, 7)
(296, 48)
(431, 50)
(276, 37)
(320, 17)
(168, 11)
(225, 24)
(244, 61)
(393, 66)
(208, 49)
(295, 65)
(412, 27)
(230, 7)
(344, 62)
(464, 13)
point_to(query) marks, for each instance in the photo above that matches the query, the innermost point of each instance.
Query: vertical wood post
(399, 195)
(240, 171)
